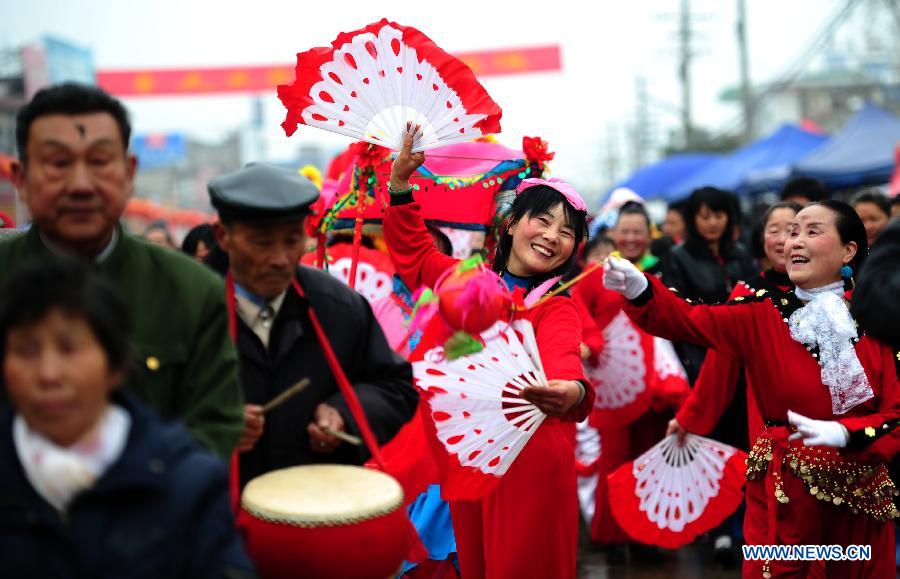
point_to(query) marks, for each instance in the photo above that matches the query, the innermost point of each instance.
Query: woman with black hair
(199, 241)
(875, 211)
(528, 525)
(710, 262)
(803, 354)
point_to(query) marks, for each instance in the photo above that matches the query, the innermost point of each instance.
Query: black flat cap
(262, 192)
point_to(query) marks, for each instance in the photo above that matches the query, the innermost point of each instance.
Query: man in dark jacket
(75, 175)
(262, 214)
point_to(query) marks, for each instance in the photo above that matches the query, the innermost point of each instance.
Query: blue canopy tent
(767, 161)
(861, 153)
(655, 181)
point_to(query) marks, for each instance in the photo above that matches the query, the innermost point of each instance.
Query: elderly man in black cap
(262, 214)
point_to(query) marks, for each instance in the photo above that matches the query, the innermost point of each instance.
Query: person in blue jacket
(92, 483)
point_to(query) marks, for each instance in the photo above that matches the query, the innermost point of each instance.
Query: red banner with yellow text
(192, 81)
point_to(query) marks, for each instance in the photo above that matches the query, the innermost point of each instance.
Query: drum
(325, 521)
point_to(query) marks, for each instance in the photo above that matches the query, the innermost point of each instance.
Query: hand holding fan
(374, 81)
(478, 422)
(672, 493)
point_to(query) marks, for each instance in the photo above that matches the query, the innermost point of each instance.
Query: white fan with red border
(371, 82)
(479, 422)
(672, 493)
(671, 385)
(621, 373)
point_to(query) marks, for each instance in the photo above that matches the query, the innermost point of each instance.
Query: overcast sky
(605, 46)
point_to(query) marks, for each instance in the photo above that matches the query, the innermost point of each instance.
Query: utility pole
(894, 9)
(641, 134)
(257, 121)
(684, 38)
(746, 89)
(611, 161)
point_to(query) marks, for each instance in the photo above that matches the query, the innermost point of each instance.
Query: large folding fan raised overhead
(371, 82)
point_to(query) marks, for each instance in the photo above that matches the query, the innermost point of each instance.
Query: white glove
(621, 276)
(818, 432)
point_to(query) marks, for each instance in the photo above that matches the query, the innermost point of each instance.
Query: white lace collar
(826, 323)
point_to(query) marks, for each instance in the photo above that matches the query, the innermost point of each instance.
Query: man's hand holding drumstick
(325, 429)
(254, 415)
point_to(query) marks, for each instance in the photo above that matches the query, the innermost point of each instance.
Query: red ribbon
(353, 403)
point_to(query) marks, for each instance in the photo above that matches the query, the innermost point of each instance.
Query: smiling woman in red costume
(528, 525)
(803, 353)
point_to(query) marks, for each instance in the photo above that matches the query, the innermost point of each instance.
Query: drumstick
(286, 395)
(348, 438)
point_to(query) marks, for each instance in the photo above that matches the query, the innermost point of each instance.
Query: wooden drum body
(325, 521)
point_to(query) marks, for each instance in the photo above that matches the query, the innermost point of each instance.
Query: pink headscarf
(564, 188)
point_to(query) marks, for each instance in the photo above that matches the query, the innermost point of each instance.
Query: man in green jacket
(75, 176)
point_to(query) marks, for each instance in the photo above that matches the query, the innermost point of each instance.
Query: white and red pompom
(672, 493)
(622, 373)
(371, 82)
(476, 419)
(472, 298)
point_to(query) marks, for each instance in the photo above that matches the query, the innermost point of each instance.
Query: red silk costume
(528, 525)
(802, 495)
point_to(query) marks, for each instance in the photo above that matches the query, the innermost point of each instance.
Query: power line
(795, 69)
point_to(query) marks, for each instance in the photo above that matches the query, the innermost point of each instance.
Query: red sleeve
(886, 447)
(729, 329)
(714, 388)
(591, 333)
(558, 333)
(416, 259)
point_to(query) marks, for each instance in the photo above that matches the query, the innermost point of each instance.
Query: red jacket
(557, 323)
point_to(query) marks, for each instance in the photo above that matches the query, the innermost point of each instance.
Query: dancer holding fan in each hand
(528, 525)
(802, 353)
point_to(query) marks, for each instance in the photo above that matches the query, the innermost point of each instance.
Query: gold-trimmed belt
(827, 475)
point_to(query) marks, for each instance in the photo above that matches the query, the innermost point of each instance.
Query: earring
(846, 272)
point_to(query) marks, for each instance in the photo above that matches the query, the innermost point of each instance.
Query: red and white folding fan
(672, 493)
(374, 272)
(622, 373)
(371, 82)
(671, 387)
(477, 421)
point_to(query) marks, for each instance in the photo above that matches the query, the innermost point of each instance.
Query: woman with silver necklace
(804, 356)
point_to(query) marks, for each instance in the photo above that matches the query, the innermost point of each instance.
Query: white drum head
(322, 495)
